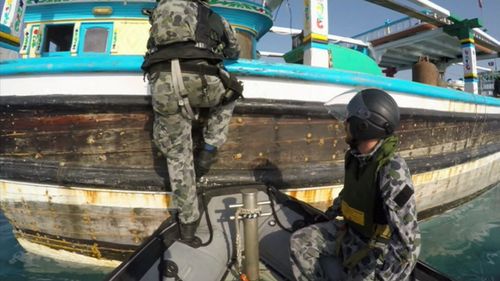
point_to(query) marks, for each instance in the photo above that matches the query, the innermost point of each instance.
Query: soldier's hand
(331, 213)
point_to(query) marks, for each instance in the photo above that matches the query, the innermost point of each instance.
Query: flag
(480, 2)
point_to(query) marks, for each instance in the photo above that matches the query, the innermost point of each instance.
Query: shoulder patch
(403, 196)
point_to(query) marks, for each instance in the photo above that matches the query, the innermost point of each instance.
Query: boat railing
(269, 4)
(335, 39)
(388, 28)
(485, 37)
(487, 81)
(406, 23)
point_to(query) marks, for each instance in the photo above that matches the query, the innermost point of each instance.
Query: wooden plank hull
(81, 174)
(111, 146)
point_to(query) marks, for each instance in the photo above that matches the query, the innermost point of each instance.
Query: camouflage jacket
(232, 49)
(172, 35)
(395, 260)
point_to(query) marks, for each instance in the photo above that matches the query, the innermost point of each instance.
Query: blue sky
(351, 17)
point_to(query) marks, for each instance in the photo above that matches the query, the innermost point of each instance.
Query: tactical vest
(184, 29)
(361, 199)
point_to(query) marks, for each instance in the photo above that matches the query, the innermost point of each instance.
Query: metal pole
(470, 65)
(316, 33)
(250, 226)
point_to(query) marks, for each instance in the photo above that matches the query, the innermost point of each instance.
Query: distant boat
(81, 179)
(457, 84)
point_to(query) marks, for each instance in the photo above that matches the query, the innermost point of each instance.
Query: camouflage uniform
(392, 261)
(172, 128)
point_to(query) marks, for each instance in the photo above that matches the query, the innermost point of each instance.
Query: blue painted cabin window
(95, 38)
(57, 40)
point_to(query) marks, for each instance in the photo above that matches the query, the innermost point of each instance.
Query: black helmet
(371, 113)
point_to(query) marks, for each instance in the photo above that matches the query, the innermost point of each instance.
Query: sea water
(18, 265)
(464, 243)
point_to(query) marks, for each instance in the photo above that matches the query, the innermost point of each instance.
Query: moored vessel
(81, 178)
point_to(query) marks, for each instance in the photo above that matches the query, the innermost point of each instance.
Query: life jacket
(184, 29)
(361, 198)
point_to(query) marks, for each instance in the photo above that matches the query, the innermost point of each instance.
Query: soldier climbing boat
(82, 179)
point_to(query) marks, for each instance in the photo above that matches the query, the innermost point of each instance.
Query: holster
(234, 87)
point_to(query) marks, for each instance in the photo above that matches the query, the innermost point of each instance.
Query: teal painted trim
(78, 11)
(9, 47)
(474, 80)
(254, 48)
(259, 23)
(353, 79)
(317, 45)
(56, 54)
(52, 65)
(467, 45)
(342, 58)
(4, 29)
(243, 68)
(352, 60)
(258, 6)
(52, 2)
(246, 5)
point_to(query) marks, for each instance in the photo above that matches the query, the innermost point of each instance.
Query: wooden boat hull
(80, 174)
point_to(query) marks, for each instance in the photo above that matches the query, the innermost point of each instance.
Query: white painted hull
(108, 84)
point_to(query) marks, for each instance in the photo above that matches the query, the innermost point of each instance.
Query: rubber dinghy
(268, 225)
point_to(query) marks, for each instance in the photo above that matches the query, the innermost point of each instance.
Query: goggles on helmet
(348, 104)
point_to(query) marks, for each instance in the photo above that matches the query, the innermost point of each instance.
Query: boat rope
(209, 222)
(171, 270)
(239, 250)
(241, 214)
(273, 210)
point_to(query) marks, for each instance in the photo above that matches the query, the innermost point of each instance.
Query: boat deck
(264, 275)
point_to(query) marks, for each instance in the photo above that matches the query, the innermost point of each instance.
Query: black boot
(204, 161)
(188, 231)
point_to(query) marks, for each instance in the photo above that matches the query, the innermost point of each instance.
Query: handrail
(387, 23)
(271, 54)
(268, 4)
(389, 28)
(336, 38)
(433, 7)
(480, 34)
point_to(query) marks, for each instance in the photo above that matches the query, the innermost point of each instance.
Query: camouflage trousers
(308, 246)
(314, 254)
(172, 132)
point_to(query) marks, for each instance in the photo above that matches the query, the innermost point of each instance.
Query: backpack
(189, 21)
